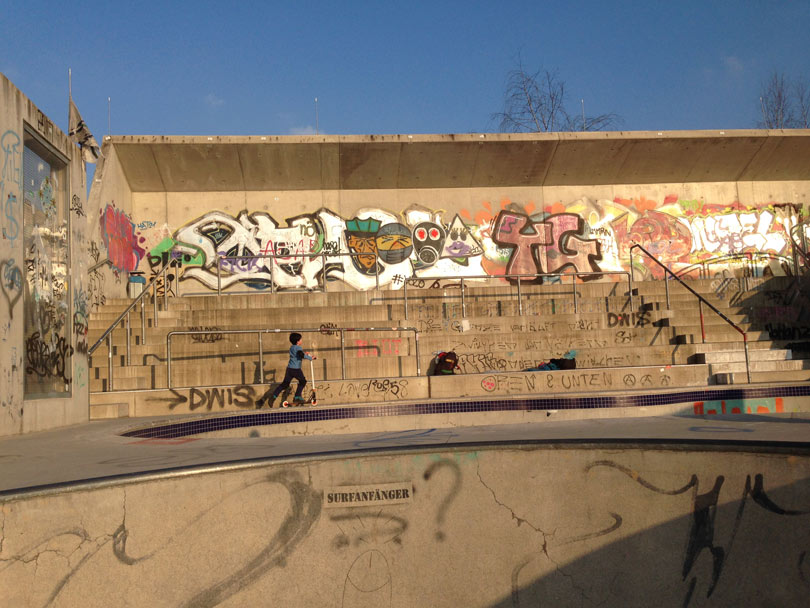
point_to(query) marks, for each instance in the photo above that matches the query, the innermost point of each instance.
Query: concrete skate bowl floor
(482, 526)
(759, 400)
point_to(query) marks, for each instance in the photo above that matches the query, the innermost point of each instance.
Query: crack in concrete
(546, 537)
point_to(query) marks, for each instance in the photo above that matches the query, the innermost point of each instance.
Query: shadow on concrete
(754, 551)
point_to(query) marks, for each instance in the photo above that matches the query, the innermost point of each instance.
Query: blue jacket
(297, 354)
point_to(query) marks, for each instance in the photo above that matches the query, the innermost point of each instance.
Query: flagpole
(70, 83)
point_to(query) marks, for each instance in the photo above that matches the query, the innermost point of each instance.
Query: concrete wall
(110, 200)
(54, 347)
(541, 216)
(490, 527)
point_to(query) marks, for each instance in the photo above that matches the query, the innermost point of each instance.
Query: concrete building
(46, 253)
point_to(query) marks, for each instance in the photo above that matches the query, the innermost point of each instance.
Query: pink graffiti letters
(118, 233)
(515, 230)
(547, 246)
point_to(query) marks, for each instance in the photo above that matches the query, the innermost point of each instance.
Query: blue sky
(245, 68)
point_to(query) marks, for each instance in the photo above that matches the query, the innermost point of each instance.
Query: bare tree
(801, 92)
(784, 104)
(775, 103)
(535, 102)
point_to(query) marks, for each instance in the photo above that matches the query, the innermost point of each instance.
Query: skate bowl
(676, 510)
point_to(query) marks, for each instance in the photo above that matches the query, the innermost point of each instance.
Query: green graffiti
(187, 254)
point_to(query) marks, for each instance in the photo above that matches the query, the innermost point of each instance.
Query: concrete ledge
(242, 397)
(110, 410)
(533, 383)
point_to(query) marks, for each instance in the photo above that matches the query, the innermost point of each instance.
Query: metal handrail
(322, 255)
(99, 265)
(800, 247)
(259, 333)
(108, 333)
(574, 276)
(701, 301)
(325, 255)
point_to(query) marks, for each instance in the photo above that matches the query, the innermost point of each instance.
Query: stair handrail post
(574, 290)
(129, 340)
(261, 359)
(323, 265)
(630, 280)
(630, 288)
(219, 274)
(463, 300)
(520, 298)
(166, 290)
(154, 304)
(143, 323)
(747, 361)
(272, 277)
(109, 362)
(416, 344)
(405, 296)
(169, 359)
(342, 354)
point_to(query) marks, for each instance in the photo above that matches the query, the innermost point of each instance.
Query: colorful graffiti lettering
(771, 405)
(547, 246)
(118, 234)
(375, 247)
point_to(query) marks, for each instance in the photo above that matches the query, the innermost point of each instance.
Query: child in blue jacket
(297, 355)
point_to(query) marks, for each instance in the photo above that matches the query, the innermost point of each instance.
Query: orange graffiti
(641, 204)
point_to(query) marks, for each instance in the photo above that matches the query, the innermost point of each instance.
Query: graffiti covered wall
(43, 323)
(487, 239)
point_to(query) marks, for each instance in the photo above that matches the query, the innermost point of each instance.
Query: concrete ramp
(525, 524)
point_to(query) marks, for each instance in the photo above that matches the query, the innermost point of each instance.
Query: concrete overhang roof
(353, 162)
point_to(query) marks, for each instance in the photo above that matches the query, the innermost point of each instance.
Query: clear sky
(255, 68)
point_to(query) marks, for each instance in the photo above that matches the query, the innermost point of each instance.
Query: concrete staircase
(495, 336)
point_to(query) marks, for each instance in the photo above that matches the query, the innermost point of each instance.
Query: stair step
(730, 356)
(760, 366)
(763, 377)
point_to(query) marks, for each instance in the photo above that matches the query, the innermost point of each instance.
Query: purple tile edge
(219, 423)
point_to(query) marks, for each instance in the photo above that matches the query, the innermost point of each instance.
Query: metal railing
(125, 316)
(260, 332)
(323, 255)
(233, 260)
(98, 265)
(798, 236)
(519, 277)
(701, 302)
